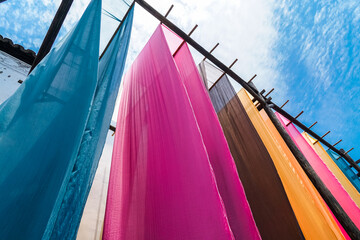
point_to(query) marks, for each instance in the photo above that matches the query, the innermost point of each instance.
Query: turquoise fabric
(41, 128)
(345, 168)
(111, 68)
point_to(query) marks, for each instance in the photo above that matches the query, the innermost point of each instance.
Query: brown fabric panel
(272, 212)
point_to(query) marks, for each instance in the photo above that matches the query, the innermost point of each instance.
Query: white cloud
(244, 30)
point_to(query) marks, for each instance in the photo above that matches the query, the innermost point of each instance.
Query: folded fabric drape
(41, 127)
(269, 204)
(230, 188)
(346, 169)
(314, 217)
(323, 172)
(331, 165)
(161, 183)
(110, 72)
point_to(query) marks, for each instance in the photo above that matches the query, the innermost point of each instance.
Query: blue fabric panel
(345, 168)
(111, 68)
(41, 127)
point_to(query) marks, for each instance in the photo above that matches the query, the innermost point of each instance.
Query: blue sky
(307, 50)
(318, 47)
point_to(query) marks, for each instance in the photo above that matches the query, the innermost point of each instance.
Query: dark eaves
(16, 50)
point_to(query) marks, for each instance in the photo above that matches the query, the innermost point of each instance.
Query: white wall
(11, 70)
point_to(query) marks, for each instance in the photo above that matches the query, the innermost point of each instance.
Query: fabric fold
(41, 127)
(267, 198)
(231, 190)
(331, 165)
(323, 172)
(314, 217)
(110, 71)
(161, 182)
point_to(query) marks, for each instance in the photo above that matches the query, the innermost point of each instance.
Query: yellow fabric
(312, 213)
(344, 181)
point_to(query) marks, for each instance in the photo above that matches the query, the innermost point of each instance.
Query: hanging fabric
(230, 188)
(110, 72)
(161, 182)
(346, 169)
(323, 172)
(314, 217)
(269, 204)
(331, 165)
(41, 127)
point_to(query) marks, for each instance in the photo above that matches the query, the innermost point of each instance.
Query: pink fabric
(173, 40)
(161, 183)
(323, 172)
(346, 235)
(228, 182)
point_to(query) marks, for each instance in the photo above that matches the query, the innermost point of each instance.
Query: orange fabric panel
(344, 181)
(314, 217)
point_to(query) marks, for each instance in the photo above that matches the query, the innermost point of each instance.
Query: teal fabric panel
(345, 168)
(41, 127)
(111, 68)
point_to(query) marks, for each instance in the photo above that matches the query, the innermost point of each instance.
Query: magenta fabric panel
(323, 172)
(161, 182)
(229, 185)
(172, 40)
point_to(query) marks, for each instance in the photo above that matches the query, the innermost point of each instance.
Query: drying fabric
(268, 201)
(41, 127)
(161, 183)
(230, 188)
(92, 219)
(346, 184)
(323, 172)
(314, 217)
(110, 72)
(346, 169)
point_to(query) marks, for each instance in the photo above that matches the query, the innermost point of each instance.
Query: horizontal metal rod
(117, 30)
(112, 128)
(168, 12)
(212, 50)
(313, 124)
(269, 92)
(337, 143)
(295, 117)
(348, 151)
(252, 78)
(192, 30)
(183, 42)
(217, 80)
(321, 137)
(284, 103)
(52, 33)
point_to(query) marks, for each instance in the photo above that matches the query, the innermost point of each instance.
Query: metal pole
(322, 136)
(330, 200)
(337, 210)
(212, 49)
(183, 42)
(313, 124)
(306, 129)
(168, 12)
(117, 29)
(52, 32)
